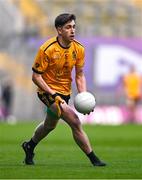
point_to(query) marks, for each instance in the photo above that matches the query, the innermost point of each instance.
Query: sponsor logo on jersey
(56, 56)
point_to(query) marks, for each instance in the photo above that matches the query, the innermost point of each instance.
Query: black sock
(93, 158)
(32, 144)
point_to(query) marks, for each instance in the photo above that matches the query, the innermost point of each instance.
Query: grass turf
(58, 157)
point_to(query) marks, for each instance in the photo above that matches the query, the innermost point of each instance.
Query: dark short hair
(62, 19)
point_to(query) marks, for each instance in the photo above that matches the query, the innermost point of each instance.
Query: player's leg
(79, 135)
(131, 109)
(42, 130)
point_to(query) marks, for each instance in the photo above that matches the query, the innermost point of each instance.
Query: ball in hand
(84, 102)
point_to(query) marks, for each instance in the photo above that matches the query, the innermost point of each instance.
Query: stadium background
(108, 28)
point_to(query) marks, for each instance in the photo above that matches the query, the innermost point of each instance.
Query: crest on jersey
(37, 65)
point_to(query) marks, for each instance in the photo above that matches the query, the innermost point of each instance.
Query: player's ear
(59, 30)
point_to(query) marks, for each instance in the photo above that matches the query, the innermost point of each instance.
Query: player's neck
(63, 43)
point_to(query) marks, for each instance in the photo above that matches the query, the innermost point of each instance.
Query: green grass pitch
(58, 157)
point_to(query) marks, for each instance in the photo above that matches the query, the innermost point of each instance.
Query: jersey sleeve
(81, 58)
(41, 62)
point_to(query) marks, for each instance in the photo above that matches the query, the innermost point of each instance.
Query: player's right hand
(58, 100)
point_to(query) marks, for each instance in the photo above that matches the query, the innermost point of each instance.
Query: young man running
(52, 75)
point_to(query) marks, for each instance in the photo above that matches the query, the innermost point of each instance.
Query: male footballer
(132, 84)
(52, 75)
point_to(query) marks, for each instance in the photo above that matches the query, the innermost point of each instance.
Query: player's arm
(39, 67)
(80, 79)
(38, 80)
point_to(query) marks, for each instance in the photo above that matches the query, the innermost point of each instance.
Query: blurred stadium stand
(10, 19)
(23, 23)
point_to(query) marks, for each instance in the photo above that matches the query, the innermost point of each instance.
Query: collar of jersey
(61, 45)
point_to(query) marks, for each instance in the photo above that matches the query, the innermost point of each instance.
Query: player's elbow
(34, 77)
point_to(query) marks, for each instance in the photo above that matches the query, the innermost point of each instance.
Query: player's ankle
(32, 144)
(93, 158)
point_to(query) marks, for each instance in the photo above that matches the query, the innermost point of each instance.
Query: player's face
(67, 32)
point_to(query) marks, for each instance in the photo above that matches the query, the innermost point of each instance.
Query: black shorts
(48, 100)
(135, 100)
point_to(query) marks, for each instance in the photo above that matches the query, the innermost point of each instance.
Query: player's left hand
(89, 112)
